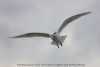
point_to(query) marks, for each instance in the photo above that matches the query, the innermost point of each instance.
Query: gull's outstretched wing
(32, 35)
(67, 21)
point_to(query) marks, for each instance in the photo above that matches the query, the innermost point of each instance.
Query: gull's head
(55, 34)
(52, 35)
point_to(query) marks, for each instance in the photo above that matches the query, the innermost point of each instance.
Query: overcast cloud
(24, 16)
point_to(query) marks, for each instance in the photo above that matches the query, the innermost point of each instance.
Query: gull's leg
(61, 44)
(58, 46)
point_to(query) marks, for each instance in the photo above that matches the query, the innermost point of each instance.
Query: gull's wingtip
(11, 37)
(85, 13)
(88, 12)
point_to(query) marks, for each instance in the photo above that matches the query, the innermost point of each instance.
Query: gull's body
(56, 38)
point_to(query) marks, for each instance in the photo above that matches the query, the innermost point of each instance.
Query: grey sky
(24, 16)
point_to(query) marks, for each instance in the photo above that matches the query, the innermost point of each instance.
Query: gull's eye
(51, 35)
(54, 33)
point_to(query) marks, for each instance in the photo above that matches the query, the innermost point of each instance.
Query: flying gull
(56, 38)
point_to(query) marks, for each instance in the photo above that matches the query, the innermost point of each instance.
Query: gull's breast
(55, 38)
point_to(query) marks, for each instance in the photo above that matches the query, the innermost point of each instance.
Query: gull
(56, 38)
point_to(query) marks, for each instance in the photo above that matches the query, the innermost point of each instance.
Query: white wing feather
(32, 35)
(67, 21)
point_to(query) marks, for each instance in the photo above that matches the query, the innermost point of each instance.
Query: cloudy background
(24, 16)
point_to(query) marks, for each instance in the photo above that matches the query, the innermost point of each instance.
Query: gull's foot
(57, 46)
(61, 44)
